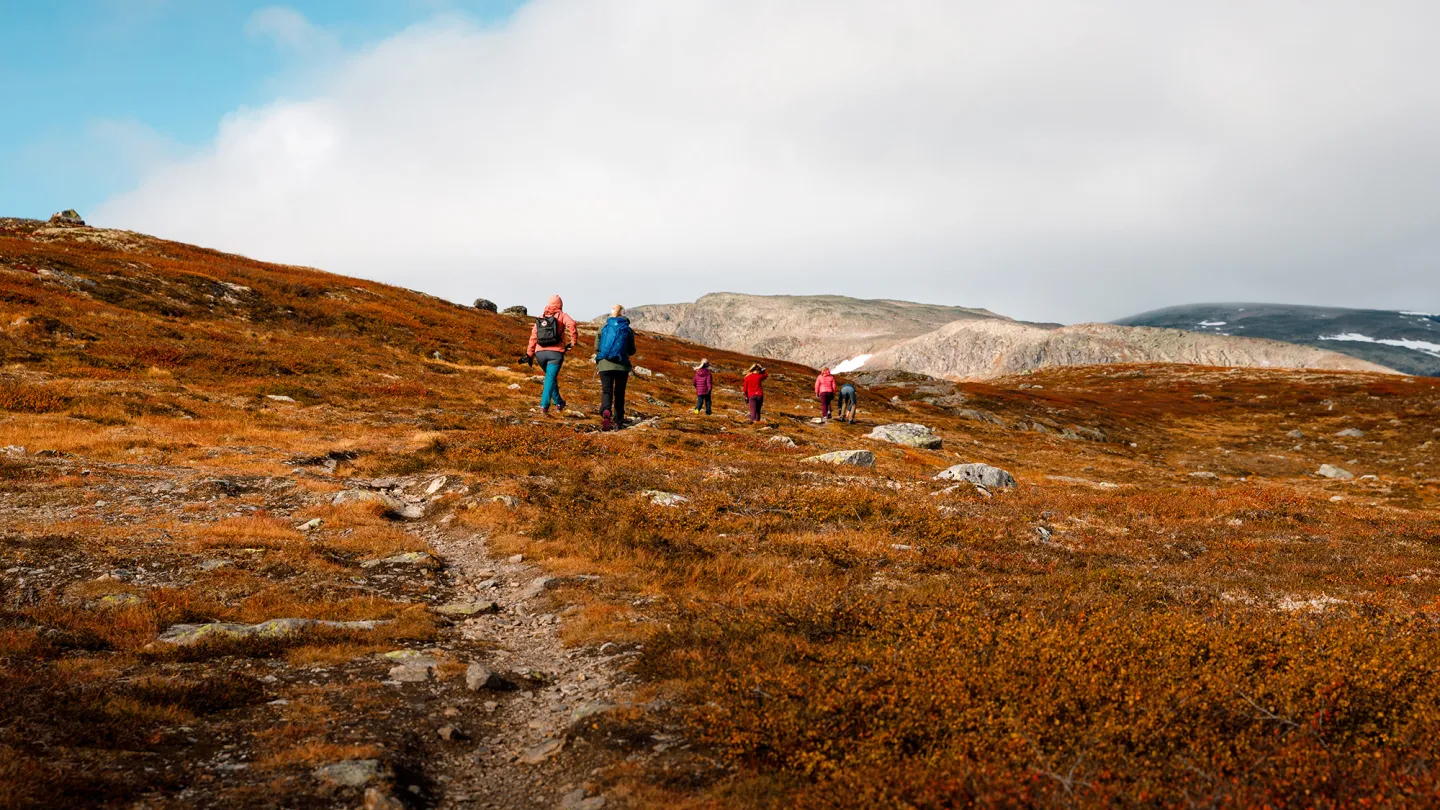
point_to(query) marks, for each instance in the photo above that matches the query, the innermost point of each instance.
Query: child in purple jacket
(704, 383)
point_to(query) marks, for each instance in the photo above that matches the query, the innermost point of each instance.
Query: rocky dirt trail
(538, 691)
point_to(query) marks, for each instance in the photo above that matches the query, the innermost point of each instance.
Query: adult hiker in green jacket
(613, 350)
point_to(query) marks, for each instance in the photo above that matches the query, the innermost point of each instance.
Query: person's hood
(618, 319)
(554, 307)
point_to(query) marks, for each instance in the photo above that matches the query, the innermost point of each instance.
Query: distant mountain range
(849, 334)
(1405, 341)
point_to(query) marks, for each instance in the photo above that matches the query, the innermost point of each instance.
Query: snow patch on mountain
(1416, 345)
(853, 364)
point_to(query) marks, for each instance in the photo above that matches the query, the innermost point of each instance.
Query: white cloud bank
(1044, 158)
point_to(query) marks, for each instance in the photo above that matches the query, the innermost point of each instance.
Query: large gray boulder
(515, 310)
(982, 474)
(852, 458)
(486, 304)
(907, 434)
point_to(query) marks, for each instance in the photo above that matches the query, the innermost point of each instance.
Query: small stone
(479, 676)
(377, 799)
(1205, 475)
(641, 371)
(435, 485)
(350, 772)
(115, 600)
(664, 498)
(1296, 434)
(1351, 433)
(1337, 473)
(515, 558)
(279, 398)
(13, 450)
(311, 525)
(577, 799)
(783, 440)
(450, 733)
(211, 565)
(545, 750)
(505, 500)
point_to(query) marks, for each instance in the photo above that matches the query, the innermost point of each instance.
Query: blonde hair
(616, 310)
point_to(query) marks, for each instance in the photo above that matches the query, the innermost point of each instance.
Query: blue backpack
(615, 338)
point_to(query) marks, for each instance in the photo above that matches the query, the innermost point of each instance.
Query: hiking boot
(544, 411)
(605, 423)
(559, 404)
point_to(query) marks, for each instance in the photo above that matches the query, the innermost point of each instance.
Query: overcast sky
(1048, 159)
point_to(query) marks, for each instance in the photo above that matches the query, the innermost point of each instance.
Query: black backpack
(547, 331)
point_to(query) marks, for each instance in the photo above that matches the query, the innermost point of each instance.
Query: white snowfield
(1211, 323)
(853, 364)
(1417, 345)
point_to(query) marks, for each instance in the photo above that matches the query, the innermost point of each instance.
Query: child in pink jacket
(704, 384)
(825, 391)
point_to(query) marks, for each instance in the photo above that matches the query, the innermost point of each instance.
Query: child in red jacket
(754, 389)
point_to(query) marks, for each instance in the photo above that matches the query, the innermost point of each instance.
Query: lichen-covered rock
(486, 305)
(186, 634)
(515, 310)
(982, 474)
(67, 217)
(907, 434)
(467, 608)
(853, 458)
(1351, 433)
(1337, 473)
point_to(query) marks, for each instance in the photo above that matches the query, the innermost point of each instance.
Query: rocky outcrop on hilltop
(812, 329)
(995, 348)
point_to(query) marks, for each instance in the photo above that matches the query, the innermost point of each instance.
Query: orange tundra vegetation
(1117, 630)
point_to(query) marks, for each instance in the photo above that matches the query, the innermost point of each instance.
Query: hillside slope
(983, 349)
(1405, 341)
(261, 547)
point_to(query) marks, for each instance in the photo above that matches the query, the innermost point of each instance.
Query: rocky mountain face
(811, 329)
(983, 349)
(1405, 341)
(954, 342)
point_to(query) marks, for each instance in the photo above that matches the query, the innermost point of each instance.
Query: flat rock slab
(350, 772)
(407, 558)
(982, 474)
(186, 634)
(467, 608)
(907, 434)
(1337, 473)
(853, 458)
(543, 751)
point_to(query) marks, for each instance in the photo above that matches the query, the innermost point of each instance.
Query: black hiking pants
(612, 395)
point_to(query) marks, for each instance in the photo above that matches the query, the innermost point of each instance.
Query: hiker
(704, 384)
(613, 350)
(825, 391)
(553, 334)
(847, 403)
(754, 389)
